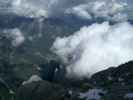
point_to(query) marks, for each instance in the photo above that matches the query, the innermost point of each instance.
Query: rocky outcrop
(43, 90)
(5, 92)
(122, 75)
(115, 82)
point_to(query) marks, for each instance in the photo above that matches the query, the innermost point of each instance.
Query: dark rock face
(42, 90)
(4, 84)
(117, 81)
(48, 70)
(121, 74)
(4, 90)
(53, 71)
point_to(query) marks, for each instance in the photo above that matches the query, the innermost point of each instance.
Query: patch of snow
(56, 70)
(11, 92)
(33, 78)
(92, 94)
(70, 92)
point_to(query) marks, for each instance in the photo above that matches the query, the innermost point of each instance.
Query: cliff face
(43, 90)
(113, 83)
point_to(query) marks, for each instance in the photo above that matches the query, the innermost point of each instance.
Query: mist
(95, 48)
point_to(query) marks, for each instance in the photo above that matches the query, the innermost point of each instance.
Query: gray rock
(44, 90)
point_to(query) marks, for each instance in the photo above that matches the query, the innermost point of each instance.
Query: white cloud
(29, 8)
(95, 48)
(106, 9)
(16, 35)
(83, 8)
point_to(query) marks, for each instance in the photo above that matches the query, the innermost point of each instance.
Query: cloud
(107, 9)
(16, 36)
(95, 48)
(110, 9)
(30, 8)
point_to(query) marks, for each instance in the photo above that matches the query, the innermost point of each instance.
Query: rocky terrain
(113, 83)
(33, 72)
